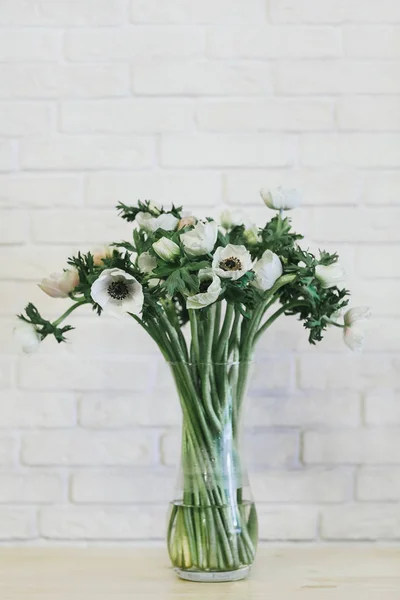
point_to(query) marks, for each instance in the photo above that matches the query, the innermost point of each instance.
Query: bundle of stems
(212, 526)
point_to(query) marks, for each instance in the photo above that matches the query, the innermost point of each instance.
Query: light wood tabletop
(283, 573)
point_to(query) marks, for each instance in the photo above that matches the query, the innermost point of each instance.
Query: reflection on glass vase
(212, 530)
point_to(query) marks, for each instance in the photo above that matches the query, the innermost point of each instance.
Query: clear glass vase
(212, 529)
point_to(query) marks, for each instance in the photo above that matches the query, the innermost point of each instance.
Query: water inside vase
(212, 538)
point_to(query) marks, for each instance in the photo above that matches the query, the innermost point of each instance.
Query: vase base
(213, 576)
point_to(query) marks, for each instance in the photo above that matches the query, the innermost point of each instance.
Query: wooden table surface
(286, 573)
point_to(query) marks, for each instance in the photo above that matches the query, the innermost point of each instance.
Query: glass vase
(212, 529)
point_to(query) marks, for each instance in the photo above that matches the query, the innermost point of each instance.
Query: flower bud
(280, 199)
(252, 235)
(268, 269)
(355, 322)
(27, 336)
(166, 249)
(232, 218)
(59, 285)
(187, 222)
(100, 253)
(155, 208)
(330, 275)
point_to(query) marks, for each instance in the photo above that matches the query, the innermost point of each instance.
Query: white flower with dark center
(280, 198)
(268, 269)
(210, 289)
(166, 249)
(330, 275)
(201, 239)
(117, 292)
(59, 285)
(355, 323)
(232, 262)
(27, 336)
(146, 262)
(148, 223)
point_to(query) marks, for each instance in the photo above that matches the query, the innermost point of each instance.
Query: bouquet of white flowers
(229, 281)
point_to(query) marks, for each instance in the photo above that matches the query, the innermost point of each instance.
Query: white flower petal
(100, 296)
(114, 308)
(166, 249)
(27, 336)
(354, 337)
(268, 269)
(59, 285)
(146, 262)
(330, 275)
(133, 304)
(203, 299)
(280, 198)
(357, 313)
(146, 221)
(230, 218)
(167, 222)
(201, 239)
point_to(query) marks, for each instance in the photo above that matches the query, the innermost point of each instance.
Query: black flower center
(231, 264)
(118, 290)
(204, 285)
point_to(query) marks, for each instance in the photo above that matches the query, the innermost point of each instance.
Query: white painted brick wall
(197, 103)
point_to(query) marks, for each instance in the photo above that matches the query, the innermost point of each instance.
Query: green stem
(218, 309)
(195, 351)
(275, 316)
(224, 336)
(331, 322)
(69, 311)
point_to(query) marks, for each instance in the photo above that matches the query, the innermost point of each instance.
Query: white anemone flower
(167, 222)
(118, 292)
(166, 249)
(230, 218)
(27, 336)
(59, 285)
(232, 262)
(148, 223)
(355, 322)
(146, 262)
(330, 275)
(210, 289)
(201, 239)
(268, 269)
(280, 198)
